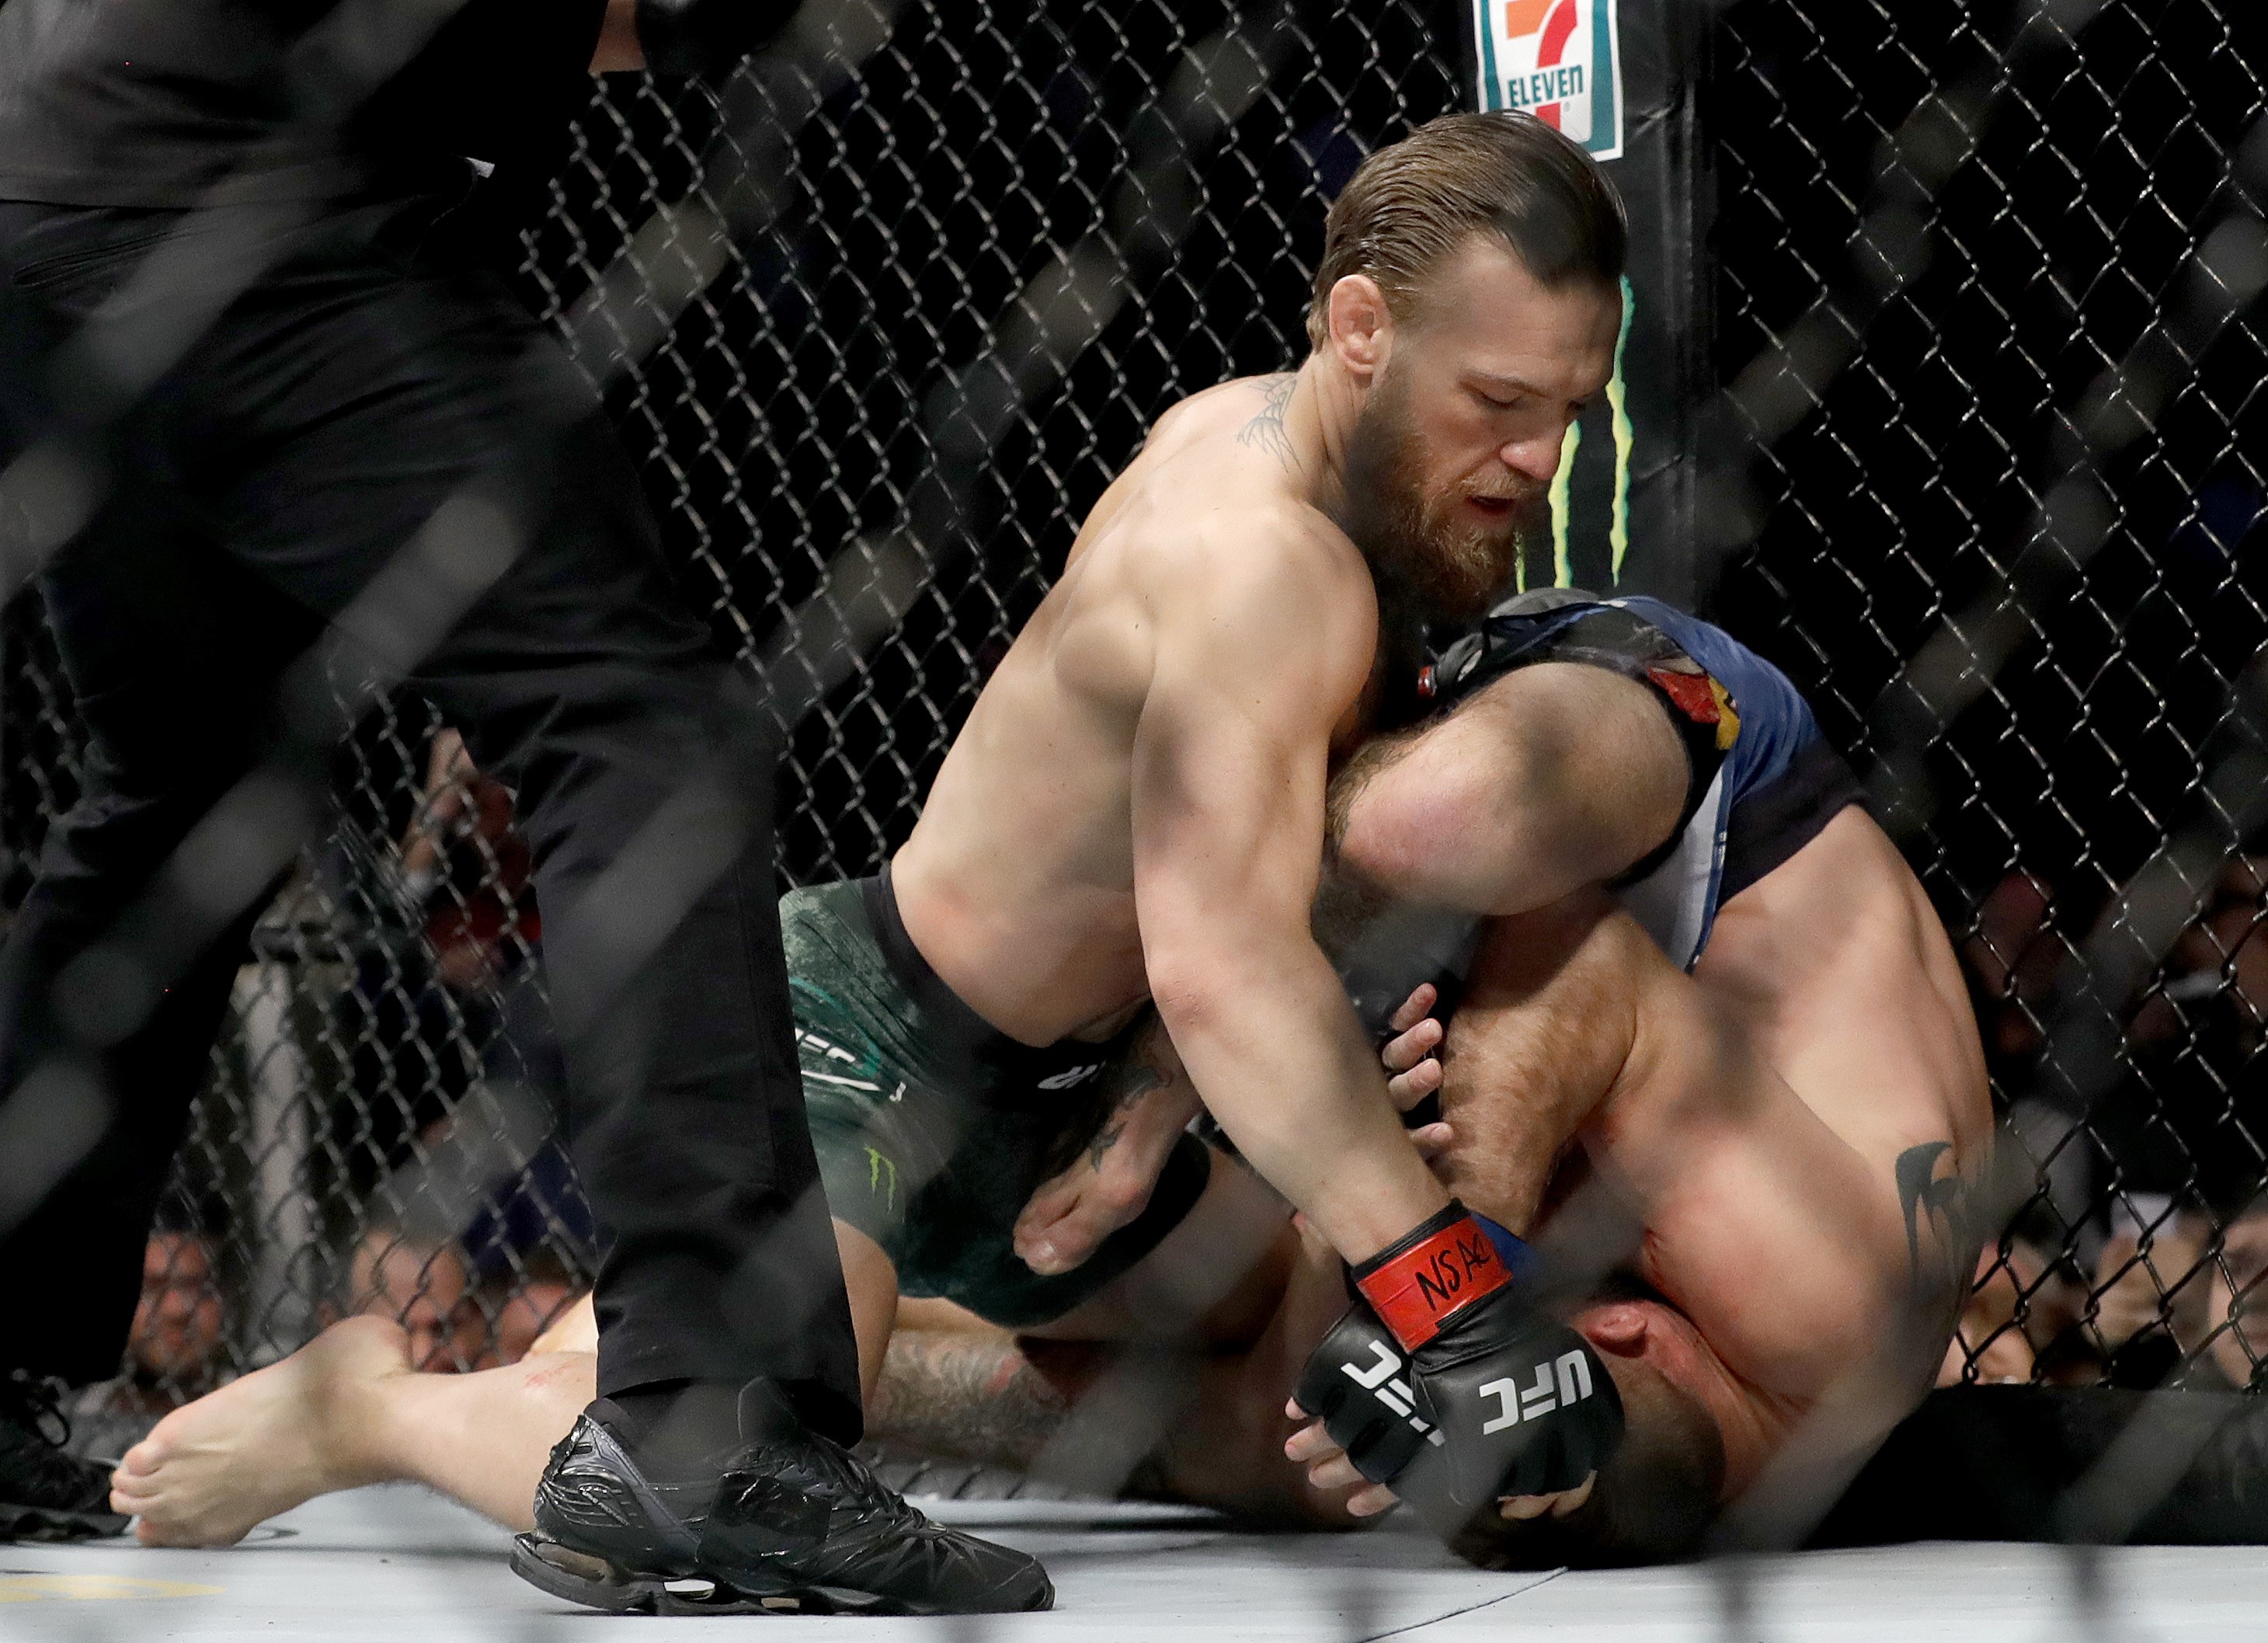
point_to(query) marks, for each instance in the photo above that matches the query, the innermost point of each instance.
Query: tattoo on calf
(977, 1397)
(1265, 432)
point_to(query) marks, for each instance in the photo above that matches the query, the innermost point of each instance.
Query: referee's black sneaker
(788, 1522)
(46, 1491)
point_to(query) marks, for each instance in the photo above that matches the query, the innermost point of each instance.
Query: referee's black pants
(374, 446)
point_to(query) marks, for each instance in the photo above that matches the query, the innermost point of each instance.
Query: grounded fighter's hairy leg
(344, 1410)
(1537, 1065)
(1554, 776)
(1213, 1420)
(347, 1409)
(1537, 1044)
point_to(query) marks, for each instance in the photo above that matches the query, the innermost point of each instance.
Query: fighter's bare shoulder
(1226, 535)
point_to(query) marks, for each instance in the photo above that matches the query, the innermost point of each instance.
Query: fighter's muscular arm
(1262, 646)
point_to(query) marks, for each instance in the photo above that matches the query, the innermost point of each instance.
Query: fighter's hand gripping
(1443, 1381)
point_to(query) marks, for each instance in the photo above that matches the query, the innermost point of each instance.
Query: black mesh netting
(881, 316)
(1988, 319)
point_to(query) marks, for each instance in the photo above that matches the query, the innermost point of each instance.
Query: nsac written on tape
(1559, 59)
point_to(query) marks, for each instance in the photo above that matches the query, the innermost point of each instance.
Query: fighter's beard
(1428, 568)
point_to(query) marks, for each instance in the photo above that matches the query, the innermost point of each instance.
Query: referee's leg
(432, 412)
(108, 1011)
(440, 483)
(403, 453)
(110, 1000)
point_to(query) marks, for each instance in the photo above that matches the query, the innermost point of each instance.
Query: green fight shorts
(933, 1128)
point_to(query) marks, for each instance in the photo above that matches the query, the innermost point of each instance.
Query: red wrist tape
(1418, 1289)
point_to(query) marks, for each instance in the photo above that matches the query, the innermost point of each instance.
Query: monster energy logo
(882, 1177)
(1566, 516)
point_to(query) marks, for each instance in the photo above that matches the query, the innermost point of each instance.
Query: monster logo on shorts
(1559, 59)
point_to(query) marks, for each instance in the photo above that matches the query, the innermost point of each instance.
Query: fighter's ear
(1361, 324)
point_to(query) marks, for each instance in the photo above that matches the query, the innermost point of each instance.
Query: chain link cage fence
(881, 315)
(1988, 319)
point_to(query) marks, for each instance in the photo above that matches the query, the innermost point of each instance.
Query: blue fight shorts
(1764, 782)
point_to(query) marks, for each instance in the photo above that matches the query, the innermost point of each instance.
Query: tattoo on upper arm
(1942, 1206)
(1265, 432)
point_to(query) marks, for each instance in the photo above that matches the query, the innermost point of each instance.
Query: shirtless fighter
(1782, 1131)
(1134, 811)
(1772, 1248)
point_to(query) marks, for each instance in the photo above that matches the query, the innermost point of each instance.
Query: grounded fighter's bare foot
(214, 1469)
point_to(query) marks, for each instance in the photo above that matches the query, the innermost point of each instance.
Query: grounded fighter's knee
(1554, 778)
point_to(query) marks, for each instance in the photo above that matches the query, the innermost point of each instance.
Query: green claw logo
(878, 1166)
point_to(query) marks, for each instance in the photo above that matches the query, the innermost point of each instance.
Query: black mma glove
(1444, 1383)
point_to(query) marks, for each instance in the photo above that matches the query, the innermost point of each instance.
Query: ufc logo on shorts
(1378, 1379)
(1515, 1404)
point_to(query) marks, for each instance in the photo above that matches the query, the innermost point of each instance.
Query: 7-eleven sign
(1559, 59)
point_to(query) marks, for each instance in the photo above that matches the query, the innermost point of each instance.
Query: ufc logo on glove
(1573, 1385)
(1446, 1382)
(1395, 1395)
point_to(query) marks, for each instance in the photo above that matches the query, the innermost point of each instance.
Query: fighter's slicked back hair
(1412, 205)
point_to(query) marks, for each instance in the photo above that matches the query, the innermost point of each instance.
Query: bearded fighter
(1134, 812)
(1780, 1138)
(1736, 1097)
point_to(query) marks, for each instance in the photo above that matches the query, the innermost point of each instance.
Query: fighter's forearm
(1272, 1045)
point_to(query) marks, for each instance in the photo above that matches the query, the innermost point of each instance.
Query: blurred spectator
(2220, 960)
(532, 1247)
(423, 1011)
(175, 1346)
(2189, 1117)
(421, 1287)
(2150, 1301)
(487, 1237)
(2023, 1318)
(467, 872)
(1989, 1336)
(457, 1318)
(2013, 958)
(515, 1306)
(2179, 1134)
(2237, 1298)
